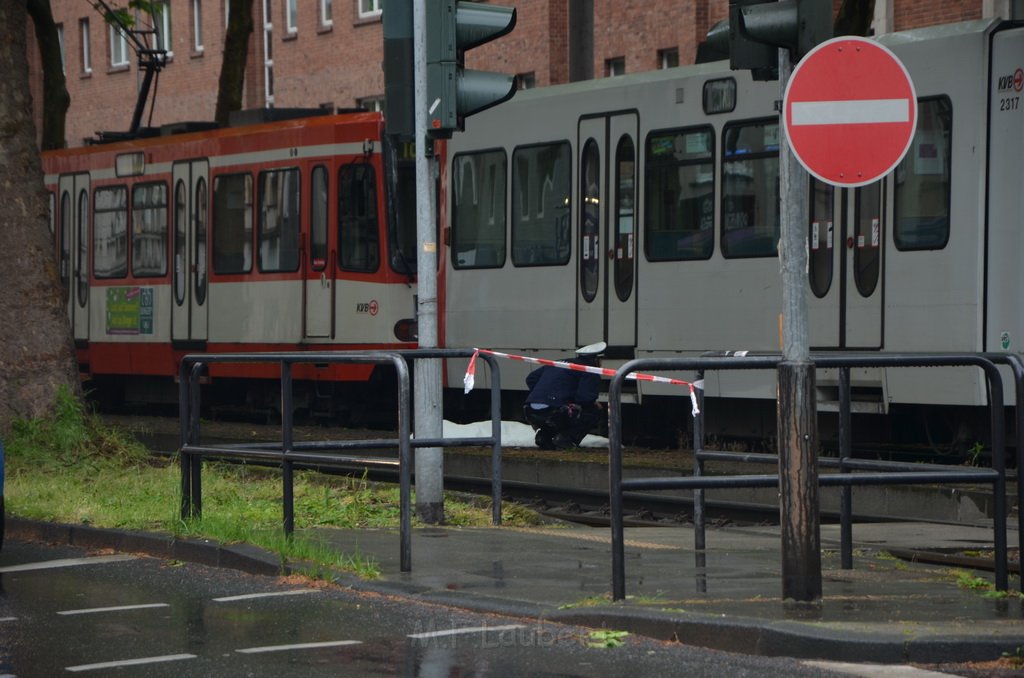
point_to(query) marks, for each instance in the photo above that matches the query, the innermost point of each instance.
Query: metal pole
(287, 478)
(797, 426)
(846, 493)
(427, 391)
(699, 535)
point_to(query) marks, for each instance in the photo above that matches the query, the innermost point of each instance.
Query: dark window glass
(590, 220)
(625, 215)
(318, 219)
(478, 210)
(279, 220)
(868, 238)
(679, 211)
(359, 232)
(180, 242)
(750, 189)
(65, 243)
(200, 249)
(232, 223)
(923, 180)
(541, 232)
(820, 237)
(149, 230)
(110, 229)
(82, 265)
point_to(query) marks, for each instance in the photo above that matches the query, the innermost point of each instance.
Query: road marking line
(298, 646)
(130, 662)
(273, 594)
(471, 629)
(66, 562)
(118, 608)
(860, 111)
(876, 670)
(3, 619)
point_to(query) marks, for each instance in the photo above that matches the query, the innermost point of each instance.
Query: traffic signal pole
(427, 377)
(797, 407)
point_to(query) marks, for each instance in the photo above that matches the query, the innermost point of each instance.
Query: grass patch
(74, 468)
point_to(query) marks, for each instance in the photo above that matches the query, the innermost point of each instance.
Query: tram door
(844, 275)
(73, 248)
(189, 247)
(607, 214)
(319, 267)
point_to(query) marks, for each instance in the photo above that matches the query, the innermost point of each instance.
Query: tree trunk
(236, 52)
(854, 17)
(55, 92)
(36, 350)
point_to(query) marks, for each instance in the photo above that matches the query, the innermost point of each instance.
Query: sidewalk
(885, 610)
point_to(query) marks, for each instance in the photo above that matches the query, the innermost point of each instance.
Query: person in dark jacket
(562, 404)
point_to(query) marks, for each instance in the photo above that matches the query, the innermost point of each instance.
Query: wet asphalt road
(116, 614)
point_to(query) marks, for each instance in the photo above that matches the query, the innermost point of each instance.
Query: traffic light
(755, 29)
(399, 100)
(453, 92)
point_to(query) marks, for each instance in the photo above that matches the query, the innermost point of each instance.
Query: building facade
(328, 53)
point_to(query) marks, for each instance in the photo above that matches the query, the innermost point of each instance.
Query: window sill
(290, 35)
(325, 28)
(120, 68)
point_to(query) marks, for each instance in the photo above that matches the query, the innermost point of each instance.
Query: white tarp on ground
(513, 434)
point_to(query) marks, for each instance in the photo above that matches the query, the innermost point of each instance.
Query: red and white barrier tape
(469, 379)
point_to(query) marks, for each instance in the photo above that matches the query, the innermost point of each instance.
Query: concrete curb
(764, 637)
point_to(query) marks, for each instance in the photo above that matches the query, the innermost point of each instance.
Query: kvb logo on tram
(1013, 82)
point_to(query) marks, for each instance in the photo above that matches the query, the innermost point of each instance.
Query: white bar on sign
(860, 111)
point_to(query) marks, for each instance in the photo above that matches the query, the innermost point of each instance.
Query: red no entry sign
(850, 111)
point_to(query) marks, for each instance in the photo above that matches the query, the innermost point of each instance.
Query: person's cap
(592, 349)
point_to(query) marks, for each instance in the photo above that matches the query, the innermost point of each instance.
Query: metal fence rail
(290, 452)
(887, 473)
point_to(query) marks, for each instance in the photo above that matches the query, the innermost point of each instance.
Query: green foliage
(970, 581)
(115, 14)
(72, 467)
(606, 639)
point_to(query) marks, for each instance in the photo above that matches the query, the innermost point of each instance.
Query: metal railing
(289, 452)
(882, 473)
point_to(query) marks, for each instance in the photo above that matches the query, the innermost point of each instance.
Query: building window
(197, 25)
(291, 16)
(616, 66)
(668, 58)
(162, 26)
(526, 81)
(60, 41)
(370, 9)
(375, 104)
(326, 13)
(83, 31)
(118, 49)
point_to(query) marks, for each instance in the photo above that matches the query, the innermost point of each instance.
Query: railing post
(492, 365)
(615, 482)
(846, 492)
(184, 420)
(699, 533)
(995, 399)
(288, 501)
(404, 464)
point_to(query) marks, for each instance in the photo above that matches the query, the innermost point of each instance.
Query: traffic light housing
(454, 92)
(756, 29)
(399, 98)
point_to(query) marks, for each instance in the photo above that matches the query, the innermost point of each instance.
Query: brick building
(309, 53)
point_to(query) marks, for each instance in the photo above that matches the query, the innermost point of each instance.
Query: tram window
(180, 242)
(750, 189)
(625, 217)
(590, 220)
(82, 265)
(149, 229)
(232, 223)
(679, 208)
(50, 198)
(358, 235)
(478, 211)
(923, 180)
(868, 246)
(541, 232)
(318, 219)
(202, 221)
(279, 220)
(110, 231)
(820, 237)
(65, 242)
